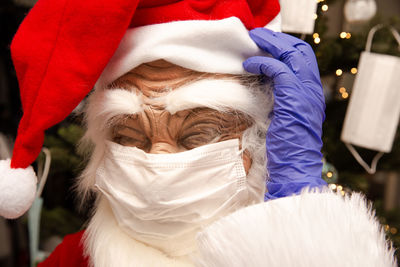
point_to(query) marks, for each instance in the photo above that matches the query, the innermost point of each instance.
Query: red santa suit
(68, 253)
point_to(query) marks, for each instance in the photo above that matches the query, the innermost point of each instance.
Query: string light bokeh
(342, 35)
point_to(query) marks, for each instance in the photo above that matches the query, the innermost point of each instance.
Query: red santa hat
(64, 47)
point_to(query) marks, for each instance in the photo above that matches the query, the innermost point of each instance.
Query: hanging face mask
(298, 16)
(164, 199)
(373, 112)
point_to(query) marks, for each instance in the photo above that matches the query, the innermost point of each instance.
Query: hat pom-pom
(17, 189)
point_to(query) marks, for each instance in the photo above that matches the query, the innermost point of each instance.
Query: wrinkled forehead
(156, 78)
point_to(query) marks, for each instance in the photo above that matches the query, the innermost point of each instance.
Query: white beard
(107, 245)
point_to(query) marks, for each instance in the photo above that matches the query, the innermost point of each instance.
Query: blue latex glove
(294, 136)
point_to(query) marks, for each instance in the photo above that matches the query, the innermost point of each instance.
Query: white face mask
(163, 200)
(373, 112)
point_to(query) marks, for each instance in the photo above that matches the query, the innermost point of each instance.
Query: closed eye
(129, 136)
(201, 134)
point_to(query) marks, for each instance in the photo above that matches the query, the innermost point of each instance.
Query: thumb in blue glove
(294, 135)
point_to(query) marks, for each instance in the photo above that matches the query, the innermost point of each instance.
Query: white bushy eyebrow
(113, 102)
(219, 94)
(121, 101)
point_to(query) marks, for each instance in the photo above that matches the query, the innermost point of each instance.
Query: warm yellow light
(342, 90)
(348, 35)
(329, 174)
(345, 95)
(353, 70)
(315, 35)
(324, 8)
(317, 40)
(343, 35)
(332, 186)
(339, 72)
(339, 188)
(393, 230)
(342, 192)
(319, 1)
(387, 227)
(315, 16)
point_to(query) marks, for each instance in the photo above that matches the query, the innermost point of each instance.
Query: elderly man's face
(162, 108)
(156, 130)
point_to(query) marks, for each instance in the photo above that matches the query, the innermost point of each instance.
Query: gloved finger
(284, 51)
(297, 43)
(268, 40)
(283, 77)
(302, 46)
(271, 68)
(309, 57)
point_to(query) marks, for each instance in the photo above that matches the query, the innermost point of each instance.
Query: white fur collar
(309, 230)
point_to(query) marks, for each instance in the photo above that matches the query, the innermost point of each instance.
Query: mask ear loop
(35, 211)
(374, 163)
(43, 171)
(240, 148)
(372, 32)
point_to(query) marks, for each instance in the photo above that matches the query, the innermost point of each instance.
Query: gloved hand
(294, 135)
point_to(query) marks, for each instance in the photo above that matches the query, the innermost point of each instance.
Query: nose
(163, 148)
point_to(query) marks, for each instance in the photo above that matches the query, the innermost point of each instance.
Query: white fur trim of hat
(218, 46)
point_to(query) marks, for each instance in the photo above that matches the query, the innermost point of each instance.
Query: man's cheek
(246, 161)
